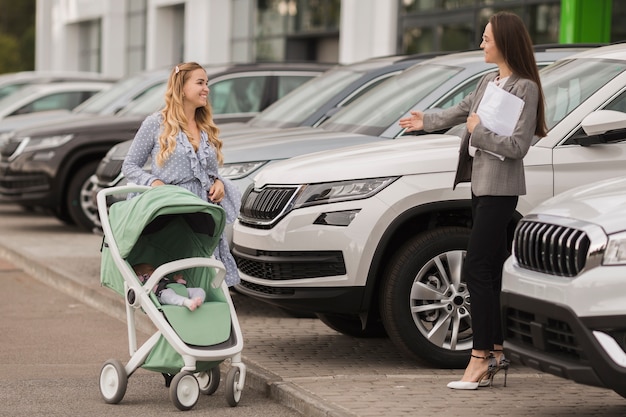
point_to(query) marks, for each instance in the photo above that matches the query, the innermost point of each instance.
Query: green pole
(585, 21)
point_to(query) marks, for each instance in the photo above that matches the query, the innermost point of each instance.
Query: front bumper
(31, 189)
(554, 338)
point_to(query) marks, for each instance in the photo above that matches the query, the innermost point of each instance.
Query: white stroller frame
(185, 386)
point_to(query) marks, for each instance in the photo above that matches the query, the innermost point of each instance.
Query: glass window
(288, 83)
(301, 103)
(238, 95)
(98, 103)
(270, 49)
(10, 89)
(411, 6)
(67, 100)
(567, 84)
(418, 39)
(619, 104)
(89, 46)
(374, 112)
(458, 95)
(148, 102)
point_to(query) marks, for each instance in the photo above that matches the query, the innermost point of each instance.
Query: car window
(375, 111)
(10, 89)
(147, 102)
(568, 83)
(103, 100)
(366, 88)
(288, 83)
(238, 95)
(64, 100)
(296, 106)
(459, 94)
(618, 104)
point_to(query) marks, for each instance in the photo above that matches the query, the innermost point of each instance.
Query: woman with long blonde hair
(185, 150)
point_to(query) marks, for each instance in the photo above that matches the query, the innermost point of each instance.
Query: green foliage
(9, 54)
(17, 35)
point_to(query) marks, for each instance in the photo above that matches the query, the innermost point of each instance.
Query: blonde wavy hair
(174, 119)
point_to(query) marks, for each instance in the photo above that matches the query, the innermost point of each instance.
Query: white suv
(374, 235)
(564, 298)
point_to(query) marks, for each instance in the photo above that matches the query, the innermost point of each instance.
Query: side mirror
(603, 121)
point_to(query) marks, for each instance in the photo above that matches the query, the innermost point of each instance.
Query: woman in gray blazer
(493, 163)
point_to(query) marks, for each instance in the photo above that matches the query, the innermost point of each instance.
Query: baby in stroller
(171, 290)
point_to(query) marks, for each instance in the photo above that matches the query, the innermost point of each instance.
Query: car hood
(287, 143)
(22, 121)
(404, 156)
(602, 203)
(82, 124)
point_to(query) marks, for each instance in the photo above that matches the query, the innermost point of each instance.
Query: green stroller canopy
(163, 224)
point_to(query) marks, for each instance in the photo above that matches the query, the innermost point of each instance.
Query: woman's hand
(472, 121)
(414, 122)
(216, 192)
(156, 183)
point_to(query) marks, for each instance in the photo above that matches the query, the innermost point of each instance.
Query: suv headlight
(240, 170)
(333, 192)
(615, 253)
(46, 142)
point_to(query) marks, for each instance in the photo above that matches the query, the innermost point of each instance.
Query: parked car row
(347, 216)
(315, 117)
(49, 165)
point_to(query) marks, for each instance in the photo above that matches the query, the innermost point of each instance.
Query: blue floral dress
(194, 171)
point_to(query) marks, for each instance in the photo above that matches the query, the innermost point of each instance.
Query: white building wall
(57, 41)
(367, 29)
(207, 31)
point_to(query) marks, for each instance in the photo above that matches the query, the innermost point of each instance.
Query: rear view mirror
(603, 121)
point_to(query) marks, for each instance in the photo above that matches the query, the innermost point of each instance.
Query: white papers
(499, 111)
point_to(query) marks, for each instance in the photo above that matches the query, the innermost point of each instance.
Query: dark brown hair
(514, 43)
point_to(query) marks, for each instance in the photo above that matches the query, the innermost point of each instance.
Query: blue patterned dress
(194, 171)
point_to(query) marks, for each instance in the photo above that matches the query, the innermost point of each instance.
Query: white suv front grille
(261, 208)
(558, 246)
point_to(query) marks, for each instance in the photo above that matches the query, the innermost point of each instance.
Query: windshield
(372, 113)
(11, 88)
(149, 102)
(102, 101)
(569, 83)
(295, 107)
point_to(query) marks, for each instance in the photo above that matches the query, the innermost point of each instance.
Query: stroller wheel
(209, 381)
(233, 387)
(184, 391)
(113, 381)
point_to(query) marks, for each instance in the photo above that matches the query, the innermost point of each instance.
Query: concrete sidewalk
(299, 362)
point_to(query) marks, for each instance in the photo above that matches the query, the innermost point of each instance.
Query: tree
(17, 40)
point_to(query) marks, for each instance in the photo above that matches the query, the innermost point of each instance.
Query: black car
(49, 166)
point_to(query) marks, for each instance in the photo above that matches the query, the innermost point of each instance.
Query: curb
(257, 377)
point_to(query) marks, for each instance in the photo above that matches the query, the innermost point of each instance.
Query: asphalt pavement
(298, 364)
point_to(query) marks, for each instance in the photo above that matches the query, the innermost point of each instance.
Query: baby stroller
(172, 229)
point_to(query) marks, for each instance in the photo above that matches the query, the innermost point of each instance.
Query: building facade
(122, 37)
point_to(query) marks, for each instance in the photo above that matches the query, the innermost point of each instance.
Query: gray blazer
(488, 174)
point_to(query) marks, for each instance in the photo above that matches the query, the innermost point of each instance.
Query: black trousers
(482, 270)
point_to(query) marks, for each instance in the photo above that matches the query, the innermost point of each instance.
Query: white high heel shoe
(483, 381)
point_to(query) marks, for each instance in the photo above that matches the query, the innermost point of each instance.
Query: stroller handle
(186, 263)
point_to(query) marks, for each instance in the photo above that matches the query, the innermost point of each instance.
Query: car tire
(352, 326)
(79, 201)
(424, 303)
